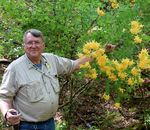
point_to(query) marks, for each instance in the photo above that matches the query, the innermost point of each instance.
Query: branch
(77, 93)
(86, 123)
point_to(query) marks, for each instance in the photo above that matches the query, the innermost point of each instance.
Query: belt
(40, 122)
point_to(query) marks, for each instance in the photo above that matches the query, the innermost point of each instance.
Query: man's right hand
(12, 117)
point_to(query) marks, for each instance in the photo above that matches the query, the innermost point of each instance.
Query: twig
(77, 93)
(88, 125)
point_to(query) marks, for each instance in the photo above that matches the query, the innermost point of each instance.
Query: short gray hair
(34, 32)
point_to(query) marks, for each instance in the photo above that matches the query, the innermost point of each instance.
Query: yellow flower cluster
(135, 76)
(144, 59)
(90, 47)
(114, 4)
(120, 70)
(135, 27)
(125, 63)
(106, 96)
(126, 72)
(86, 65)
(131, 81)
(91, 72)
(135, 71)
(100, 12)
(117, 105)
(114, 70)
(102, 61)
(137, 39)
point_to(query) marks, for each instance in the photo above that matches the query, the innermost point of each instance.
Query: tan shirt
(35, 91)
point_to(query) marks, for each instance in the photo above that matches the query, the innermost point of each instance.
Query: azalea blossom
(114, 4)
(137, 39)
(106, 96)
(135, 71)
(130, 82)
(135, 27)
(117, 105)
(100, 12)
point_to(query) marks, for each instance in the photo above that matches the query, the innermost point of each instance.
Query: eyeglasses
(36, 43)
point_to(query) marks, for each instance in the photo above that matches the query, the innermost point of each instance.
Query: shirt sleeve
(59, 64)
(7, 89)
(64, 65)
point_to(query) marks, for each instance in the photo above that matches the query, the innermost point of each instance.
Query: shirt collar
(30, 64)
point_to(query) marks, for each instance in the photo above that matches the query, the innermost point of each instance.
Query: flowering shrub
(122, 76)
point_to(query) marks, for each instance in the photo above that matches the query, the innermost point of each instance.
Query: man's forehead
(31, 36)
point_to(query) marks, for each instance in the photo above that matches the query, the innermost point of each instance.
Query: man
(30, 88)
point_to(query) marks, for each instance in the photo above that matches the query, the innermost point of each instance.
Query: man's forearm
(5, 106)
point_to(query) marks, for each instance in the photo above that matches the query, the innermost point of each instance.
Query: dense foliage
(67, 24)
(62, 22)
(70, 25)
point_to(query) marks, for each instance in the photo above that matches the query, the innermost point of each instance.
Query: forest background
(90, 98)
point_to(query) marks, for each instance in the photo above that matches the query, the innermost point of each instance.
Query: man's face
(33, 46)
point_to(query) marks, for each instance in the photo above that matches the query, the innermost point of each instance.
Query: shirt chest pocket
(55, 83)
(34, 91)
